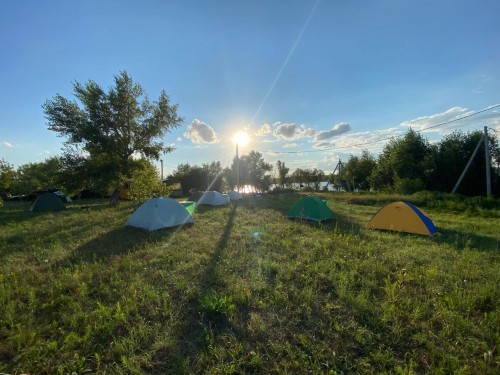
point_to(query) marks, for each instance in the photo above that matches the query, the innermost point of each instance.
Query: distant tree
(41, 175)
(405, 165)
(300, 176)
(358, 170)
(214, 175)
(112, 127)
(316, 176)
(199, 178)
(253, 171)
(7, 177)
(282, 173)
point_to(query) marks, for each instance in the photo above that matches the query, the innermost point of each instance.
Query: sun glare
(241, 138)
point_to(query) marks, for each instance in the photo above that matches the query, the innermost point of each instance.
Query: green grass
(80, 293)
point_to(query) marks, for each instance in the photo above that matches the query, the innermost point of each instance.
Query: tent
(189, 206)
(47, 202)
(213, 198)
(311, 208)
(158, 213)
(234, 195)
(63, 196)
(402, 217)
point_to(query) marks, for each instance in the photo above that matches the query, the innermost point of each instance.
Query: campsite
(244, 289)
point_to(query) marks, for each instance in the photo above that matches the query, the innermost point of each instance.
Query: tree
(405, 165)
(112, 127)
(282, 172)
(317, 176)
(145, 182)
(208, 176)
(453, 154)
(36, 176)
(7, 177)
(358, 170)
(253, 171)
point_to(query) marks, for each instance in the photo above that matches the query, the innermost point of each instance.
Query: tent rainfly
(189, 205)
(234, 195)
(47, 202)
(402, 217)
(158, 213)
(311, 208)
(213, 198)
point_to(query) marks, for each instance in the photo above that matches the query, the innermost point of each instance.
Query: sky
(311, 82)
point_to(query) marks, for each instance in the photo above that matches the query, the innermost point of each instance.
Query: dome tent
(213, 198)
(158, 213)
(311, 208)
(234, 195)
(402, 217)
(47, 202)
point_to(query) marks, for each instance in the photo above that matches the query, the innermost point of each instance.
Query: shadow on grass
(191, 337)
(119, 241)
(463, 240)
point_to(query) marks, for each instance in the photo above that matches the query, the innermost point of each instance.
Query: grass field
(81, 293)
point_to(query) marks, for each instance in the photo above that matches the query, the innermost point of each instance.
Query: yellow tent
(402, 217)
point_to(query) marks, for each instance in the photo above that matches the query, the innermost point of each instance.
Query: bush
(408, 185)
(145, 183)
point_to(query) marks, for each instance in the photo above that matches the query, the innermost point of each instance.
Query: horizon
(314, 77)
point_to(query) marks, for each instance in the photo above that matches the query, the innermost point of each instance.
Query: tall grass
(245, 290)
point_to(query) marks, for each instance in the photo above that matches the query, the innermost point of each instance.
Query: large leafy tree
(406, 165)
(113, 126)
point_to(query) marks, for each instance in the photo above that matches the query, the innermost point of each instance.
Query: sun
(241, 138)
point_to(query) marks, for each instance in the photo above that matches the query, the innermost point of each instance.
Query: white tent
(213, 198)
(234, 195)
(159, 213)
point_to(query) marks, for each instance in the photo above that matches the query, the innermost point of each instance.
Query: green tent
(311, 208)
(189, 206)
(47, 202)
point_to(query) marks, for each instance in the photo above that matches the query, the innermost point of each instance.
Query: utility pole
(161, 172)
(487, 161)
(484, 138)
(237, 169)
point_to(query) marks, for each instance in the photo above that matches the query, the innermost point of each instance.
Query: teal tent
(311, 208)
(47, 202)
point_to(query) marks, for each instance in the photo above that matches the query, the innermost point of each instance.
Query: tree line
(112, 138)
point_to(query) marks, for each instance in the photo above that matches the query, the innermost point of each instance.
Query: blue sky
(322, 77)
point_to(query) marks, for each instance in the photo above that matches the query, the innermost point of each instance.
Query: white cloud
(338, 129)
(288, 145)
(324, 144)
(373, 141)
(179, 139)
(291, 131)
(489, 118)
(199, 132)
(269, 140)
(6, 144)
(264, 129)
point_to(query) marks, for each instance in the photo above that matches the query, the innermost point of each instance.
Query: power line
(387, 138)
